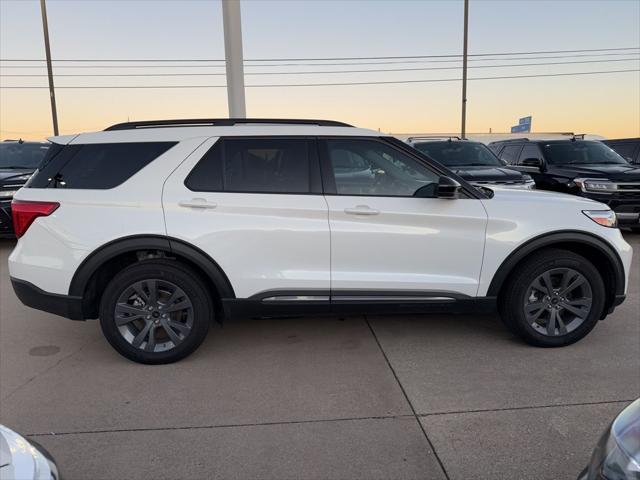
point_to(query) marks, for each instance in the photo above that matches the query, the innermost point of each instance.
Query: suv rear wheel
(554, 299)
(156, 311)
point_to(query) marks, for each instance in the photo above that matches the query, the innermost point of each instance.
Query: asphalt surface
(437, 397)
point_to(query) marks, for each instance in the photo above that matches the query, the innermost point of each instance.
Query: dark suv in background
(628, 148)
(473, 161)
(18, 160)
(581, 167)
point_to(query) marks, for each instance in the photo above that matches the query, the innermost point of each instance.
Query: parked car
(627, 148)
(18, 160)
(22, 459)
(473, 161)
(617, 454)
(159, 227)
(581, 167)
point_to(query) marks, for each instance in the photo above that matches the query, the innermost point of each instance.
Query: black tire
(187, 316)
(518, 292)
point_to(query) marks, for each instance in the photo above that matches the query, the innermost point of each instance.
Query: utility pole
(52, 93)
(464, 70)
(232, 23)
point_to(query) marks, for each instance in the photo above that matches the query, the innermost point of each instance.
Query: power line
(314, 72)
(389, 82)
(390, 57)
(325, 64)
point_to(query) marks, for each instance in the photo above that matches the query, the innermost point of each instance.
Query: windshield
(580, 152)
(22, 155)
(461, 153)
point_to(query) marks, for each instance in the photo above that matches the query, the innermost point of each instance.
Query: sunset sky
(605, 104)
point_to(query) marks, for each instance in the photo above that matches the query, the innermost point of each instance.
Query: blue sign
(524, 125)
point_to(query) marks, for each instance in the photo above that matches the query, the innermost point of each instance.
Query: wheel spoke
(579, 280)
(562, 328)
(551, 326)
(534, 310)
(177, 293)
(178, 306)
(138, 288)
(137, 341)
(124, 320)
(123, 308)
(181, 327)
(171, 332)
(152, 286)
(579, 312)
(151, 342)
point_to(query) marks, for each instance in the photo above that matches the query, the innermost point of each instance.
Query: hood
(7, 174)
(486, 174)
(617, 172)
(545, 198)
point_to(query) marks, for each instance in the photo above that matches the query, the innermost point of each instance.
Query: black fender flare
(550, 239)
(149, 242)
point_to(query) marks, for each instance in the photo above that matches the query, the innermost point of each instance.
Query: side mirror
(534, 163)
(448, 188)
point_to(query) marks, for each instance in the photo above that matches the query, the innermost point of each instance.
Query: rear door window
(530, 151)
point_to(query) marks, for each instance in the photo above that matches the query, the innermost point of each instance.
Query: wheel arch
(593, 248)
(95, 270)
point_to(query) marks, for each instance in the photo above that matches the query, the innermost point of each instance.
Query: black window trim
(329, 182)
(315, 175)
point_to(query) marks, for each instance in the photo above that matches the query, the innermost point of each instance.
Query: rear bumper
(63, 305)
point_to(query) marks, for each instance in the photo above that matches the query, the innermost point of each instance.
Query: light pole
(232, 23)
(47, 47)
(463, 130)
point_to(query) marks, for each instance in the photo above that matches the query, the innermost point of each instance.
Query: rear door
(387, 243)
(255, 206)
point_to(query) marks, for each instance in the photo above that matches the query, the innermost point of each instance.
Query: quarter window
(369, 167)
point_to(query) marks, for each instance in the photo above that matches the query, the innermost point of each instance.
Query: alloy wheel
(558, 301)
(154, 315)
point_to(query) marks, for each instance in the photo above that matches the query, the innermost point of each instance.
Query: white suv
(158, 228)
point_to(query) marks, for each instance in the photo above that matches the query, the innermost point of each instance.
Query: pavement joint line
(224, 425)
(532, 407)
(406, 396)
(46, 370)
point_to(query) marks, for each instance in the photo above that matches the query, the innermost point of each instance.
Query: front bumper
(64, 305)
(627, 209)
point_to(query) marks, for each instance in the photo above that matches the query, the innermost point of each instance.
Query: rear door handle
(197, 203)
(361, 210)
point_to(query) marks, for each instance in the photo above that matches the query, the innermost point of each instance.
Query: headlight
(606, 218)
(595, 185)
(617, 455)
(529, 182)
(7, 193)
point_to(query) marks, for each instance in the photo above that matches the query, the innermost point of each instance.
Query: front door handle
(361, 210)
(197, 203)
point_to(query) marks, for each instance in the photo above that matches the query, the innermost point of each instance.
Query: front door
(385, 241)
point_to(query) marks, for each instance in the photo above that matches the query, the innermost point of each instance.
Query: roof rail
(510, 140)
(434, 137)
(221, 122)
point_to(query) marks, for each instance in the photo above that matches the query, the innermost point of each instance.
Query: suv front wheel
(554, 299)
(156, 311)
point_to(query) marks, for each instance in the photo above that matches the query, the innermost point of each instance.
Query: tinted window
(510, 153)
(460, 153)
(530, 151)
(625, 150)
(254, 165)
(495, 147)
(16, 155)
(368, 167)
(96, 166)
(580, 152)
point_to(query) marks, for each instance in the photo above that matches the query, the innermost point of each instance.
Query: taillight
(25, 212)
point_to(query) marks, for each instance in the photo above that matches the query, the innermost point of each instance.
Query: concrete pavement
(395, 397)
